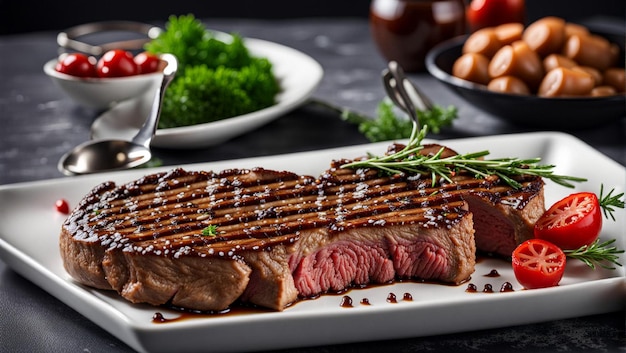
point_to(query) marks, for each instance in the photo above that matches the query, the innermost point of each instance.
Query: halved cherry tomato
(147, 62)
(538, 264)
(62, 206)
(572, 222)
(117, 63)
(489, 13)
(76, 64)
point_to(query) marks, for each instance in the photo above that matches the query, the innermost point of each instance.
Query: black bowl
(526, 110)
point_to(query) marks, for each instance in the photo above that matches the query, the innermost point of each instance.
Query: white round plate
(298, 75)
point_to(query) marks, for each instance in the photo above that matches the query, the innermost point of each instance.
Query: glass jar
(405, 30)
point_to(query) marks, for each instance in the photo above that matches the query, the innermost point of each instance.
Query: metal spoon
(403, 93)
(107, 155)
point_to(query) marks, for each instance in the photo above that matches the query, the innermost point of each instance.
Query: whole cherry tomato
(572, 222)
(117, 63)
(62, 206)
(538, 264)
(76, 64)
(147, 62)
(490, 13)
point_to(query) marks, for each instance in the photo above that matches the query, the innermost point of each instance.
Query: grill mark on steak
(164, 216)
(167, 221)
(281, 235)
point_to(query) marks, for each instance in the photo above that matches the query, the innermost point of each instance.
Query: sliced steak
(504, 217)
(383, 228)
(279, 236)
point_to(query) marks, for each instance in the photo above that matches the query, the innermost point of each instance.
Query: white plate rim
(325, 321)
(299, 76)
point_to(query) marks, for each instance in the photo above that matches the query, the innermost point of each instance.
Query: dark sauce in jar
(405, 30)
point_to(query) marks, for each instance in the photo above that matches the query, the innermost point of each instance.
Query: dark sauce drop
(187, 314)
(407, 297)
(391, 298)
(158, 318)
(346, 302)
(506, 287)
(493, 273)
(365, 301)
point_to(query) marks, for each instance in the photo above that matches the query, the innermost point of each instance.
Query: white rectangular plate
(29, 229)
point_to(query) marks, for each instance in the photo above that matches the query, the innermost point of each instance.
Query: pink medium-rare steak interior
(384, 255)
(385, 228)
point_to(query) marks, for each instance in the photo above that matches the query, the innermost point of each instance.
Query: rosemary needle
(408, 160)
(597, 254)
(609, 202)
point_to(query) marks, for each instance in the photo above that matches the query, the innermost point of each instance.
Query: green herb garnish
(390, 126)
(409, 160)
(608, 202)
(210, 231)
(597, 254)
(215, 80)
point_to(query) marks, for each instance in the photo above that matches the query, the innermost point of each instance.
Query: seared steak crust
(279, 235)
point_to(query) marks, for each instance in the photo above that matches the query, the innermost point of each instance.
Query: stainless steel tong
(404, 94)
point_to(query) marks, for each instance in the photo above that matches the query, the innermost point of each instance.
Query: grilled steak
(204, 240)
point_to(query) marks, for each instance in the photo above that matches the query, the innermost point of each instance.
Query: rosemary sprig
(408, 160)
(597, 254)
(608, 202)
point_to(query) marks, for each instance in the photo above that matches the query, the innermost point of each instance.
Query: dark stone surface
(38, 124)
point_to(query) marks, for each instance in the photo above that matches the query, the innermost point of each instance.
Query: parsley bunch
(389, 125)
(215, 80)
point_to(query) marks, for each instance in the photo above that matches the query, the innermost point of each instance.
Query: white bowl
(101, 93)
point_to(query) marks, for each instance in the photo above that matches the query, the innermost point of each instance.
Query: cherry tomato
(147, 62)
(117, 63)
(489, 13)
(572, 222)
(62, 206)
(76, 64)
(538, 264)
